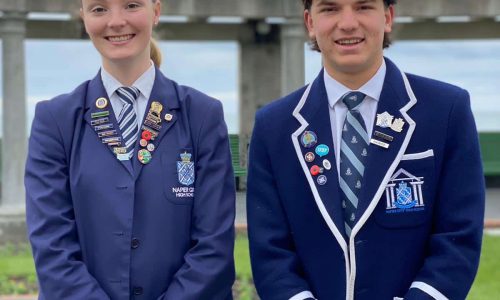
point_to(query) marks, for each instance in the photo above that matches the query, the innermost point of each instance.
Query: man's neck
(353, 79)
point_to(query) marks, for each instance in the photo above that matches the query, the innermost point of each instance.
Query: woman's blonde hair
(155, 52)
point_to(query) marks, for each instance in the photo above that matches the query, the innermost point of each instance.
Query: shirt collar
(373, 88)
(144, 83)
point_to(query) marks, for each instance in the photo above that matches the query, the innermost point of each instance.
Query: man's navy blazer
(102, 228)
(427, 250)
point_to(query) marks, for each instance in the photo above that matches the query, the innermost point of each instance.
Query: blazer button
(137, 290)
(135, 243)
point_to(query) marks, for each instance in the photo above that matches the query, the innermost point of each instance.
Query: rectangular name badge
(122, 157)
(379, 143)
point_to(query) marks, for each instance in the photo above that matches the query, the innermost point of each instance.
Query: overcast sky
(55, 67)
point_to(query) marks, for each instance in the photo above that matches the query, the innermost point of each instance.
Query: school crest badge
(404, 193)
(185, 169)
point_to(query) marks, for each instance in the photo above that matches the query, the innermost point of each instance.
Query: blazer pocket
(175, 192)
(419, 155)
(409, 195)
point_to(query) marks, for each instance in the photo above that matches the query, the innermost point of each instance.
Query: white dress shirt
(144, 84)
(338, 110)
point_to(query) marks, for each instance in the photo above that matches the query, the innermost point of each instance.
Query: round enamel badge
(101, 103)
(309, 139)
(144, 156)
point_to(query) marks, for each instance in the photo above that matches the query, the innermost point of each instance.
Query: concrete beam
(37, 29)
(260, 9)
(483, 29)
(423, 29)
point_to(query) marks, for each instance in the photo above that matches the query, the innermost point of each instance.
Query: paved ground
(492, 206)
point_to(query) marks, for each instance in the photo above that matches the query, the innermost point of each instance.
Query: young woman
(129, 184)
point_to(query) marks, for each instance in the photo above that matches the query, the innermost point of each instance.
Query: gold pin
(156, 108)
(101, 103)
(168, 117)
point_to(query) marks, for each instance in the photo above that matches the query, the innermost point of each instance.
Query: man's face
(349, 33)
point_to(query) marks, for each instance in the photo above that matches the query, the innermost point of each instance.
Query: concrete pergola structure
(271, 38)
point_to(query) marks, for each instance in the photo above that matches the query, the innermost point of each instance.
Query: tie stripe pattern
(127, 119)
(353, 154)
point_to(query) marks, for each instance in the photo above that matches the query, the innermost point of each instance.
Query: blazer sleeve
(454, 245)
(50, 216)
(277, 271)
(208, 269)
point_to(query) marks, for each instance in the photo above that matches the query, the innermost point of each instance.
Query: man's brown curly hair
(314, 43)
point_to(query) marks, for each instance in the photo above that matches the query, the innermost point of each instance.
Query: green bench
(490, 151)
(239, 171)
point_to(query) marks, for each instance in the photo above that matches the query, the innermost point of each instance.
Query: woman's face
(121, 29)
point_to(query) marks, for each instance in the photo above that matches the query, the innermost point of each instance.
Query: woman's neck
(126, 72)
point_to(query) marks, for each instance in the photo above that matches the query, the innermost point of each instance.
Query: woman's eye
(98, 9)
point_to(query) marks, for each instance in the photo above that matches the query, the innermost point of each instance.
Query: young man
(367, 183)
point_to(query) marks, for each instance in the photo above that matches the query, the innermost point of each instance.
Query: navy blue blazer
(102, 228)
(427, 250)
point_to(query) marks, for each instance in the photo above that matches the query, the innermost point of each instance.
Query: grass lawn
(17, 273)
(487, 283)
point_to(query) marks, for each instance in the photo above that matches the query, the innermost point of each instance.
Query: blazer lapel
(396, 98)
(101, 118)
(164, 93)
(313, 114)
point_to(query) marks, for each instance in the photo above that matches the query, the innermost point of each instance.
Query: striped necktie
(127, 119)
(353, 153)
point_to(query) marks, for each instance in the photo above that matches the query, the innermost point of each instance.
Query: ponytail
(155, 52)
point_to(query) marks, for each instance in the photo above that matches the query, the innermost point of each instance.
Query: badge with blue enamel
(404, 193)
(185, 169)
(309, 139)
(322, 150)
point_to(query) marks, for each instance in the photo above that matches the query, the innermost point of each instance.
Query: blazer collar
(164, 92)
(396, 99)
(312, 112)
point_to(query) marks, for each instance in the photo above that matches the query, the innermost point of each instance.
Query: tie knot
(128, 94)
(353, 99)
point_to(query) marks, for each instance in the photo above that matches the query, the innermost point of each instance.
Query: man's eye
(132, 5)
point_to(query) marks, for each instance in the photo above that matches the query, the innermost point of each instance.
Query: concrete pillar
(14, 140)
(260, 78)
(292, 57)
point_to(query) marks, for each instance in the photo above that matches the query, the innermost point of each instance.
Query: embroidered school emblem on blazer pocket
(177, 179)
(409, 195)
(185, 169)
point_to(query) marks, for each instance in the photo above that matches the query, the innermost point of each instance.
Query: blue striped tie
(353, 153)
(127, 120)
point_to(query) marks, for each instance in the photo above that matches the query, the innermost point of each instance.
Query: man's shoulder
(282, 108)
(428, 86)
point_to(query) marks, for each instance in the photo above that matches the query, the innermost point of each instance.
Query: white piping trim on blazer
(428, 290)
(317, 198)
(302, 295)
(380, 191)
(420, 155)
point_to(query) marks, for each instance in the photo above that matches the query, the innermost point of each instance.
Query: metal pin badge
(379, 143)
(101, 103)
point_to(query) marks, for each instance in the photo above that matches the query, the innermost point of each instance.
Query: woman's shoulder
(66, 101)
(190, 94)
